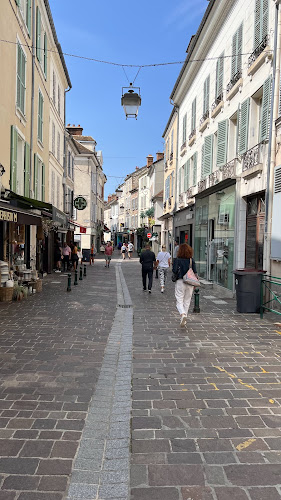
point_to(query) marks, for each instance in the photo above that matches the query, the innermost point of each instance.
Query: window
(261, 21)
(186, 175)
(193, 116)
(41, 43)
(219, 77)
(208, 155)
(206, 96)
(25, 10)
(53, 139)
(222, 143)
(69, 165)
(45, 54)
(172, 184)
(233, 133)
(243, 127)
(172, 144)
(20, 164)
(39, 179)
(38, 35)
(58, 191)
(59, 100)
(21, 68)
(184, 129)
(40, 116)
(236, 63)
(167, 188)
(72, 168)
(58, 147)
(54, 88)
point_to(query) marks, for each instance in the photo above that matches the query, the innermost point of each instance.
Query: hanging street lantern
(131, 101)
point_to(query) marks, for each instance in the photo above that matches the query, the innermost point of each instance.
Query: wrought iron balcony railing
(216, 102)
(233, 81)
(204, 117)
(183, 145)
(171, 156)
(252, 157)
(258, 50)
(192, 134)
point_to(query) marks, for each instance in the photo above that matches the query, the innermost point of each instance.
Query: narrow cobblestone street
(75, 367)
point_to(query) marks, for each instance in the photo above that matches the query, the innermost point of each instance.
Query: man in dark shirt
(148, 262)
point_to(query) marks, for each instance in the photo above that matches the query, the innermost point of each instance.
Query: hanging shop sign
(80, 203)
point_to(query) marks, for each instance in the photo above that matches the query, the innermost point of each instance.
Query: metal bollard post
(69, 283)
(85, 272)
(76, 276)
(196, 308)
(81, 273)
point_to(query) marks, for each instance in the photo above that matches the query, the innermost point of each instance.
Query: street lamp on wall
(131, 101)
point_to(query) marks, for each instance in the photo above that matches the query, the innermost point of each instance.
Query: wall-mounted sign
(80, 203)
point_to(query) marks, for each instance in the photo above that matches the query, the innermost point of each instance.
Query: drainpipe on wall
(176, 182)
(65, 156)
(271, 160)
(32, 100)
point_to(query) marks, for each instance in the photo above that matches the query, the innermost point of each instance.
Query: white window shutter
(208, 155)
(222, 143)
(243, 127)
(265, 112)
(276, 210)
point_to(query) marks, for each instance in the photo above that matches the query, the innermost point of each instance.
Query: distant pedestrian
(183, 292)
(66, 254)
(119, 246)
(58, 256)
(148, 262)
(123, 251)
(163, 262)
(74, 256)
(130, 249)
(102, 248)
(92, 254)
(108, 254)
(80, 255)
(176, 248)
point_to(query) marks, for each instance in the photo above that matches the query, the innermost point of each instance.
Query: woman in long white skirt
(183, 292)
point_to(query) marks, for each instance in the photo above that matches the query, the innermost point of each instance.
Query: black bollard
(196, 308)
(76, 276)
(69, 283)
(81, 273)
(85, 272)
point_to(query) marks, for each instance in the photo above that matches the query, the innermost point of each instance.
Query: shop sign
(83, 230)
(80, 203)
(59, 217)
(8, 216)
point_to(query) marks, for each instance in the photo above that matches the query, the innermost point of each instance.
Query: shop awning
(24, 202)
(165, 216)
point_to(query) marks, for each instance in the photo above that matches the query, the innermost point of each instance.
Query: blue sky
(144, 32)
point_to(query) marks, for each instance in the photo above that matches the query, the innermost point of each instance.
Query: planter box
(37, 285)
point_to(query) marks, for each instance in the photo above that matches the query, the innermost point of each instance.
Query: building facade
(224, 106)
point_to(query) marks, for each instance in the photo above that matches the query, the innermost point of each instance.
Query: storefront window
(214, 236)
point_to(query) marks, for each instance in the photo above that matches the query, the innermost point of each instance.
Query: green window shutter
(185, 177)
(195, 169)
(38, 35)
(184, 129)
(27, 170)
(40, 117)
(188, 174)
(208, 155)
(222, 143)
(21, 62)
(14, 157)
(219, 75)
(243, 127)
(28, 16)
(237, 41)
(257, 29)
(17, 2)
(45, 54)
(35, 177)
(193, 115)
(202, 162)
(265, 12)
(265, 111)
(43, 183)
(206, 95)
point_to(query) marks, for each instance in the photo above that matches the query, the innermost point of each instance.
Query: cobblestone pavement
(206, 421)
(206, 413)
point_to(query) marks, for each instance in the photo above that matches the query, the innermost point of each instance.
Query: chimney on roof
(149, 160)
(159, 156)
(73, 130)
(137, 168)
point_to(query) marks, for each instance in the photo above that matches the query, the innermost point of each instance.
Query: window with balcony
(222, 138)
(193, 119)
(219, 82)
(206, 100)
(236, 62)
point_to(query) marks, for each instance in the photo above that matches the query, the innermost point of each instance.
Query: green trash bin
(248, 289)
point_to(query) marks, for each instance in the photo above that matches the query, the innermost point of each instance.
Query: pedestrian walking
(163, 262)
(148, 262)
(130, 249)
(58, 256)
(176, 249)
(108, 254)
(183, 291)
(102, 248)
(66, 254)
(123, 251)
(92, 254)
(80, 255)
(119, 246)
(74, 256)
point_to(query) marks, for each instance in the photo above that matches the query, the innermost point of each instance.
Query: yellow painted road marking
(278, 332)
(245, 444)
(263, 370)
(271, 401)
(247, 385)
(212, 383)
